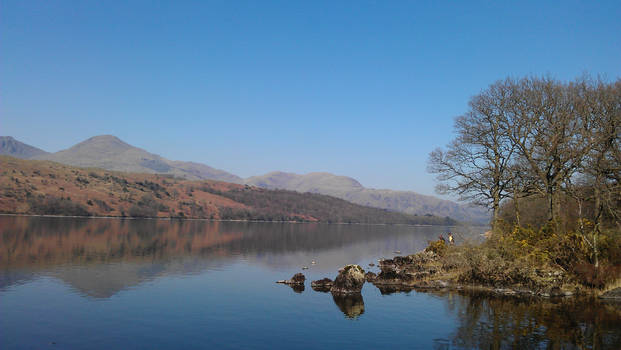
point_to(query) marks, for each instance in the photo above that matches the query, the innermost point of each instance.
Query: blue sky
(359, 88)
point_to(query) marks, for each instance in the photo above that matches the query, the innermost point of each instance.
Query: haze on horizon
(360, 89)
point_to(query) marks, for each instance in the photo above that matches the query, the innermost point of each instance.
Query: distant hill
(11, 147)
(43, 187)
(351, 190)
(111, 153)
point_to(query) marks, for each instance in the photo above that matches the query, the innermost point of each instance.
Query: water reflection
(99, 257)
(298, 288)
(31, 241)
(493, 322)
(351, 305)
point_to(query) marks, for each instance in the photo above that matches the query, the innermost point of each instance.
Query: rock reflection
(298, 288)
(388, 289)
(352, 305)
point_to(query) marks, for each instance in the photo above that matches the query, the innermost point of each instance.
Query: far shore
(229, 220)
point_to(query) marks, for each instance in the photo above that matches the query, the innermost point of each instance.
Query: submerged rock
(349, 281)
(322, 285)
(297, 279)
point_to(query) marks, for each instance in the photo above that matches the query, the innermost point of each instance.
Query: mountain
(351, 190)
(49, 188)
(111, 153)
(11, 147)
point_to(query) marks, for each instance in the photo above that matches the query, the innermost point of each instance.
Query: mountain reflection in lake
(113, 283)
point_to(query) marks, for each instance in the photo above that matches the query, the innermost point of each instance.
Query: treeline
(541, 154)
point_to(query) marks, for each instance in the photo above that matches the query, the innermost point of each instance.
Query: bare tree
(601, 104)
(475, 165)
(549, 135)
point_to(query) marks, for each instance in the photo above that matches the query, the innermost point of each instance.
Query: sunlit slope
(44, 187)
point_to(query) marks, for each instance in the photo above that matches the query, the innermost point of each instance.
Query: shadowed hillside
(351, 190)
(11, 147)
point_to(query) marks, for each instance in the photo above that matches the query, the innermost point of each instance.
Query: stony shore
(426, 271)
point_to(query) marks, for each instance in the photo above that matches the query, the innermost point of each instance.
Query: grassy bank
(512, 260)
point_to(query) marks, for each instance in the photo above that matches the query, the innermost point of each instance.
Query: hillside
(351, 190)
(111, 153)
(11, 147)
(43, 187)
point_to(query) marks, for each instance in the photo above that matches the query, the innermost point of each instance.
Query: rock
(297, 279)
(370, 276)
(371, 264)
(435, 284)
(505, 291)
(349, 281)
(406, 270)
(322, 285)
(613, 294)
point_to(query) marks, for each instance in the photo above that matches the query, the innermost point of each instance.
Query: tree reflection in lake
(493, 322)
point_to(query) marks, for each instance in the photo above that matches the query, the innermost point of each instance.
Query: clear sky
(359, 88)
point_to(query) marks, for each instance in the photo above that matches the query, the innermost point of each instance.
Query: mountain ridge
(39, 187)
(111, 153)
(351, 190)
(9, 146)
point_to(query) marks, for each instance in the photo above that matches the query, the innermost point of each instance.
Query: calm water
(69, 283)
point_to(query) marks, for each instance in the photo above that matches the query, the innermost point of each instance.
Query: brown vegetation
(47, 188)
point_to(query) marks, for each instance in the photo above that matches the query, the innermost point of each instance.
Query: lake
(72, 283)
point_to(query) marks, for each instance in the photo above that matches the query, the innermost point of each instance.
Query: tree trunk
(517, 212)
(495, 206)
(550, 198)
(598, 214)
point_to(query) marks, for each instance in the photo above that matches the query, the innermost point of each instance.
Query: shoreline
(222, 220)
(428, 271)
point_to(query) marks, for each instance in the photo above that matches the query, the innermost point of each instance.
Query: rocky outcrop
(406, 270)
(322, 285)
(370, 276)
(349, 281)
(297, 280)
